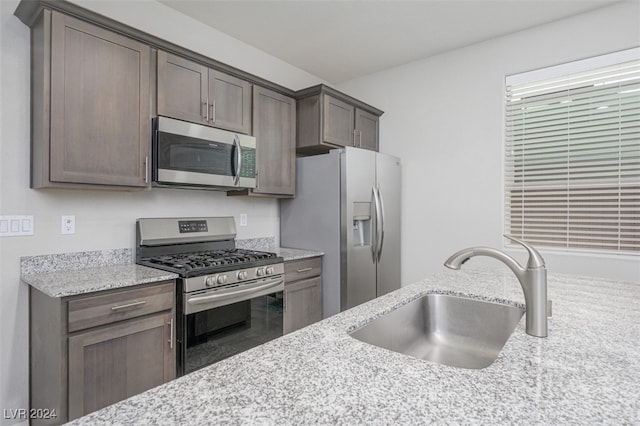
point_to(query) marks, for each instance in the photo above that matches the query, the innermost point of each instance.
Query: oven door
(221, 322)
(188, 154)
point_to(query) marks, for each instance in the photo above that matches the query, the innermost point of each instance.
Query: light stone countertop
(269, 244)
(89, 280)
(587, 371)
(71, 274)
(291, 254)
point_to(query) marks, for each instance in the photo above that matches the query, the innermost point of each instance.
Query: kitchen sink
(449, 330)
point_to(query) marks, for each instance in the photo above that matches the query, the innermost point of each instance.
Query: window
(572, 159)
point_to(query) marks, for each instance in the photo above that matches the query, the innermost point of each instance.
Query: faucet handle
(535, 258)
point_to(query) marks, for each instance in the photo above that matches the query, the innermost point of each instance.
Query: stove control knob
(260, 272)
(222, 279)
(242, 275)
(269, 270)
(210, 280)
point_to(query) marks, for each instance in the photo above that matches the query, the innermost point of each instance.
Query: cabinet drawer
(117, 306)
(300, 269)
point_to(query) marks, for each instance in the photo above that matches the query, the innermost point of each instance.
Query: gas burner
(206, 262)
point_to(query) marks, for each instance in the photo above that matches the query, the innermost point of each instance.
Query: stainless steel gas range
(228, 299)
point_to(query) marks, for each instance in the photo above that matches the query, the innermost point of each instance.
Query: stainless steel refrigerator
(347, 205)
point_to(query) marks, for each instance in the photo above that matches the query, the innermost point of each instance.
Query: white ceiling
(341, 40)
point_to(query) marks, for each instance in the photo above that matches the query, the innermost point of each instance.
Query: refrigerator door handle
(379, 225)
(380, 216)
(374, 232)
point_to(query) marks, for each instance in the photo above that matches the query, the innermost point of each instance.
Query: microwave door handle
(238, 150)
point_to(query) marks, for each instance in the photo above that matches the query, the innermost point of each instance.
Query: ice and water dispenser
(361, 224)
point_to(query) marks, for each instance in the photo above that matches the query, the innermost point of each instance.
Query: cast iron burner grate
(200, 263)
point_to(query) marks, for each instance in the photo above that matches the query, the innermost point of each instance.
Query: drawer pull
(304, 270)
(128, 305)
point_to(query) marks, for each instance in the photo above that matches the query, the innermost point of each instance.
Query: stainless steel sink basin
(449, 330)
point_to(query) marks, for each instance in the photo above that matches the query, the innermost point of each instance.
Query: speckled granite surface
(70, 274)
(256, 243)
(30, 265)
(587, 371)
(269, 244)
(88, 280)
(289, 254)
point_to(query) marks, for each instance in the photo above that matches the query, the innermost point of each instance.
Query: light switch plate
(243, 219)
(16, 226)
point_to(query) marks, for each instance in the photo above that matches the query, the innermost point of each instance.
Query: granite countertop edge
(321, 375)
(72, 274)
(89, 280)
(269, 244)
(292, 254)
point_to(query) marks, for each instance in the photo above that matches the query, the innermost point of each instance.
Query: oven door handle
(197, 300)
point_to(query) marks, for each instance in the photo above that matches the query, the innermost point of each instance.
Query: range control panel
(187, 226)
(171, 230)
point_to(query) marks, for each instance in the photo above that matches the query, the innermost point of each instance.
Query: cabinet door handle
(304, 270)
(146, 169)
(360, 138)
(206, 111)
(128, 305)
(171, 334)
(213, 111)
(354, 137)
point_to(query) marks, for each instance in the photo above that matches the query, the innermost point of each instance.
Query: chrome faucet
(533, 280)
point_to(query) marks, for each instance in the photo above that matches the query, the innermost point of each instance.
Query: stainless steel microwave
(194, 156)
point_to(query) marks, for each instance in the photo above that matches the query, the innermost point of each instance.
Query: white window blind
(572, 159)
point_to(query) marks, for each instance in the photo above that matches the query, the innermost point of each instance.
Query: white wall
(103, 219)
(444, 118)
(452, 171)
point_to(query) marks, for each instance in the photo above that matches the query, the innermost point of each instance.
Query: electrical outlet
(243, 219)
(68, 225)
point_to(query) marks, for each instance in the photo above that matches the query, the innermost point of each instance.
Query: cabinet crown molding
(29, 10)
(324, 89)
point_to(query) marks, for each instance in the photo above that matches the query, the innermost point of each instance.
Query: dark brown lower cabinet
(92, 350)
(114, 363)
(302, 293)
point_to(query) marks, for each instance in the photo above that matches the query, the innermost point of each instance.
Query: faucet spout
(533, 280)
(458, 259)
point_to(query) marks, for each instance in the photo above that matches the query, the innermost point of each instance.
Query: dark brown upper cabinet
(193, 92)
(91, 123)
(95, 88)
(329, 119)
(274, 127)
(367, 129)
